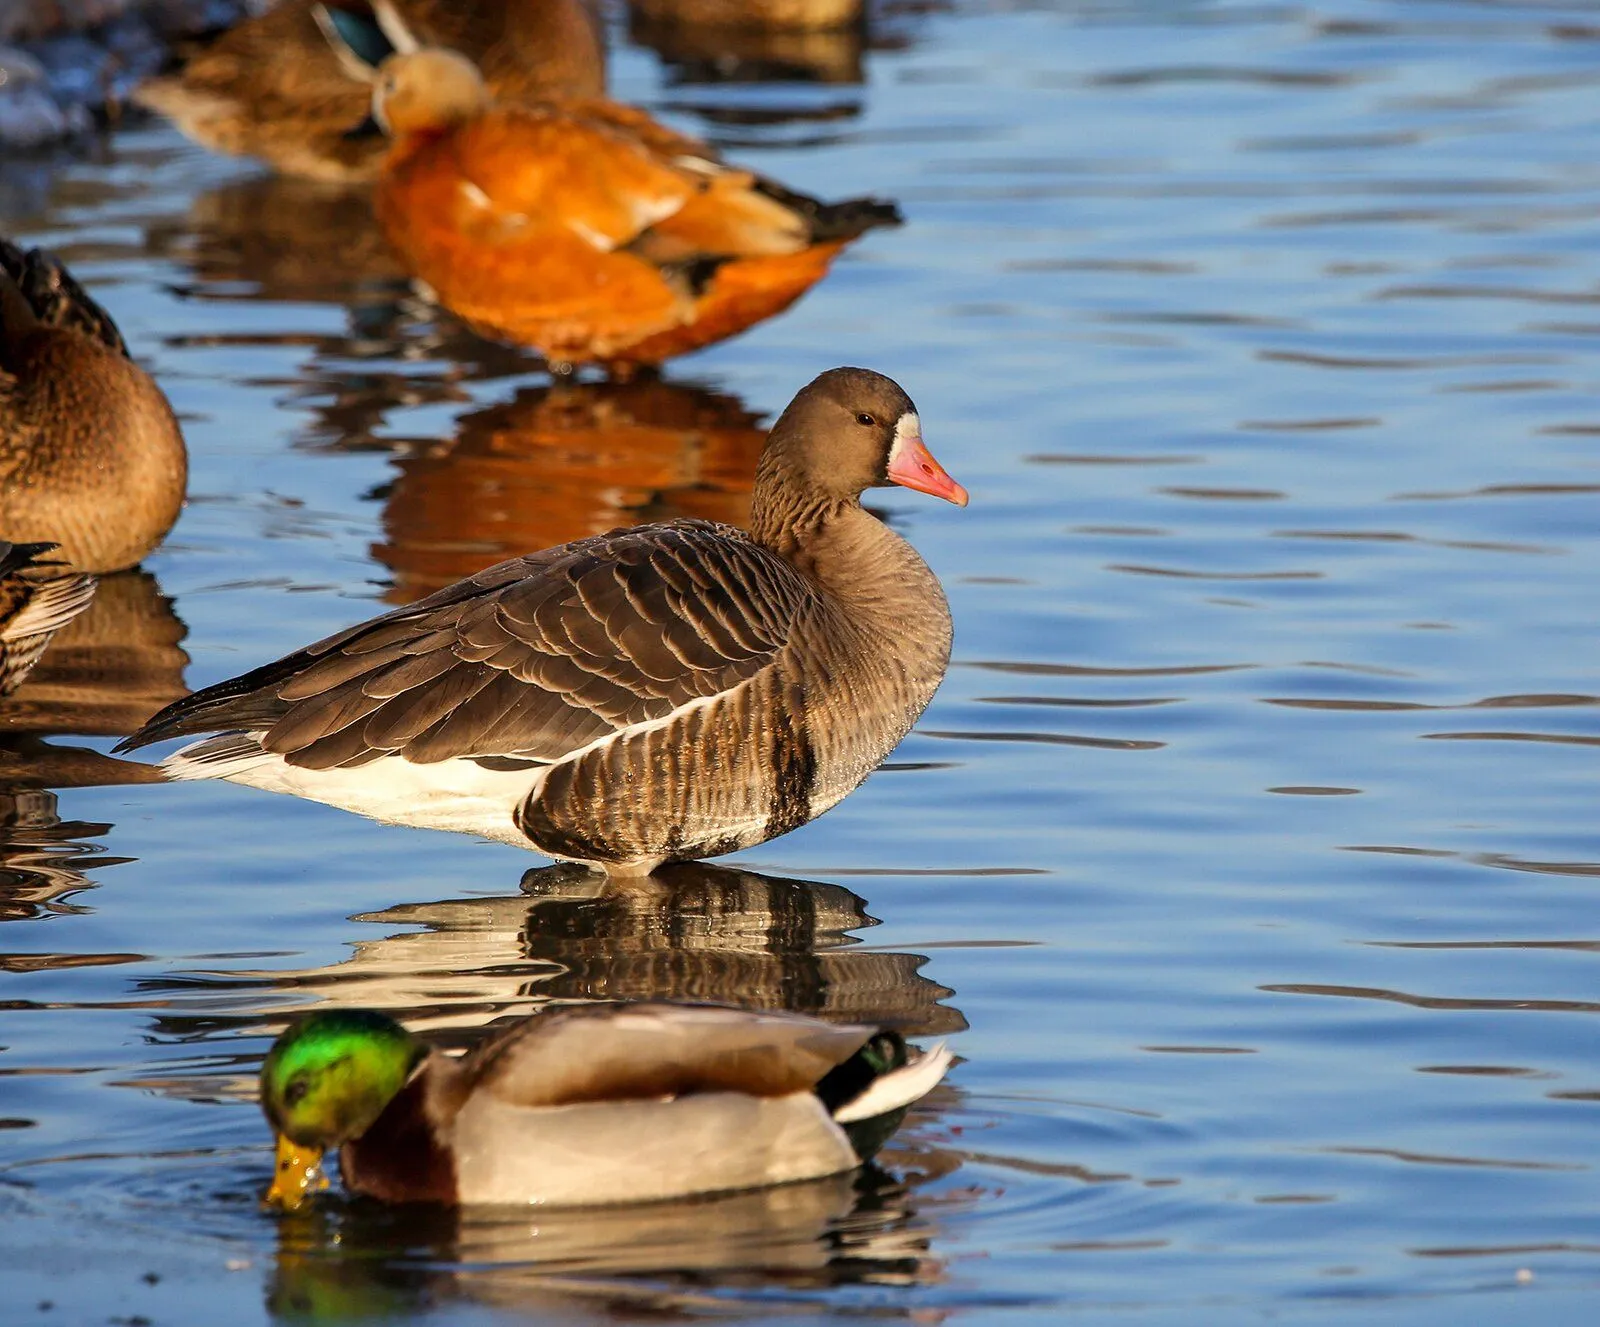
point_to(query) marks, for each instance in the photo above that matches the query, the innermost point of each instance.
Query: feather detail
(35, 603)
(643, 1051)
(539, 656)
(899, 1087)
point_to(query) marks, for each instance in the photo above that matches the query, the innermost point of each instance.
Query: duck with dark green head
(585, 1105)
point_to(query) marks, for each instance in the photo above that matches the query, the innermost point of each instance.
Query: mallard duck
(583, 228)
(658, 694)
(37, 599)
(273, 87)
(585, 1105)
(91, 456)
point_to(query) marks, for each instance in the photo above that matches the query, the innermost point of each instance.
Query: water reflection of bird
(692, 932)
(560, 462)
(274, 237)
(105, 673)
(36, 600)
(272, 87)
(336, 1263)
(657, 694)
(706, 53)
(585, 229)
(701, 932)
(42, 860)
(285, 241)
(745, 15)
(585, 1105)
(91, 457)
(754, 40)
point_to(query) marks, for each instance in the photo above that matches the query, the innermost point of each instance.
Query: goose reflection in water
(694, 932)
(104, 674)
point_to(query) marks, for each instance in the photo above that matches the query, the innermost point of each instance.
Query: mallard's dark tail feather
(868, 1095)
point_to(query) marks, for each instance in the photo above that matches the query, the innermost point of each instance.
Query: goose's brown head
(849, 430)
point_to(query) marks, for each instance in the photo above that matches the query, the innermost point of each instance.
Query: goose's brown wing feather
(620, 1052)
(535, 657)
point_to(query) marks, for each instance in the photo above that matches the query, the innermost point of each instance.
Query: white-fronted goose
(91, 456)
(656, 694)
(37, 599)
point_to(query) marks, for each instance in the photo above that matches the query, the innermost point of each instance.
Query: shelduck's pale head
(426, 91)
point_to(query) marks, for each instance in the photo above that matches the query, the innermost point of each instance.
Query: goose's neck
(864, 564)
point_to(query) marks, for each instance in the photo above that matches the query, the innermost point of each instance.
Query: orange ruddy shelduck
(583, 228)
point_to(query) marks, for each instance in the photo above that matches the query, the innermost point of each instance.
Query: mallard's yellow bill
(296, 1175)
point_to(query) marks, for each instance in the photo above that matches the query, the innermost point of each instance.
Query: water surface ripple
(1251, 838)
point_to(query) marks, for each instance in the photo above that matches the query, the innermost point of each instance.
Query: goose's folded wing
(622, 1052)
(532, 658)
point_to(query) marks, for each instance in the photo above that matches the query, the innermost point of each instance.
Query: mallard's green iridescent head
(329, 1076)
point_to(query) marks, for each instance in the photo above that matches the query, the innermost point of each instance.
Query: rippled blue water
(1252, 835)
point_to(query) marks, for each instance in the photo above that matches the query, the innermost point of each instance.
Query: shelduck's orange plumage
(583, 228)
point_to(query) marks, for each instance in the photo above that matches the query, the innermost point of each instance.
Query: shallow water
(1252, 835)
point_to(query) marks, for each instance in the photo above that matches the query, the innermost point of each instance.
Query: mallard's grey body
(599, 1104)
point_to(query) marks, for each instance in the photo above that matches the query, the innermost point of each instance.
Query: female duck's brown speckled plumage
(274, 88)
(91, 456)
(667, 692)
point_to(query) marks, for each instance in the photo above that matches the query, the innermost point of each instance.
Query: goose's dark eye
(295, 1093)
(865, 418)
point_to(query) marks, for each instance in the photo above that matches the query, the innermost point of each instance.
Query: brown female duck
(273, 87)
(655, 694)
(91, 456)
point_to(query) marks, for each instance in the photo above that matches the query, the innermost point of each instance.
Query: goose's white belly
(458, 795)
(637, 1151)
